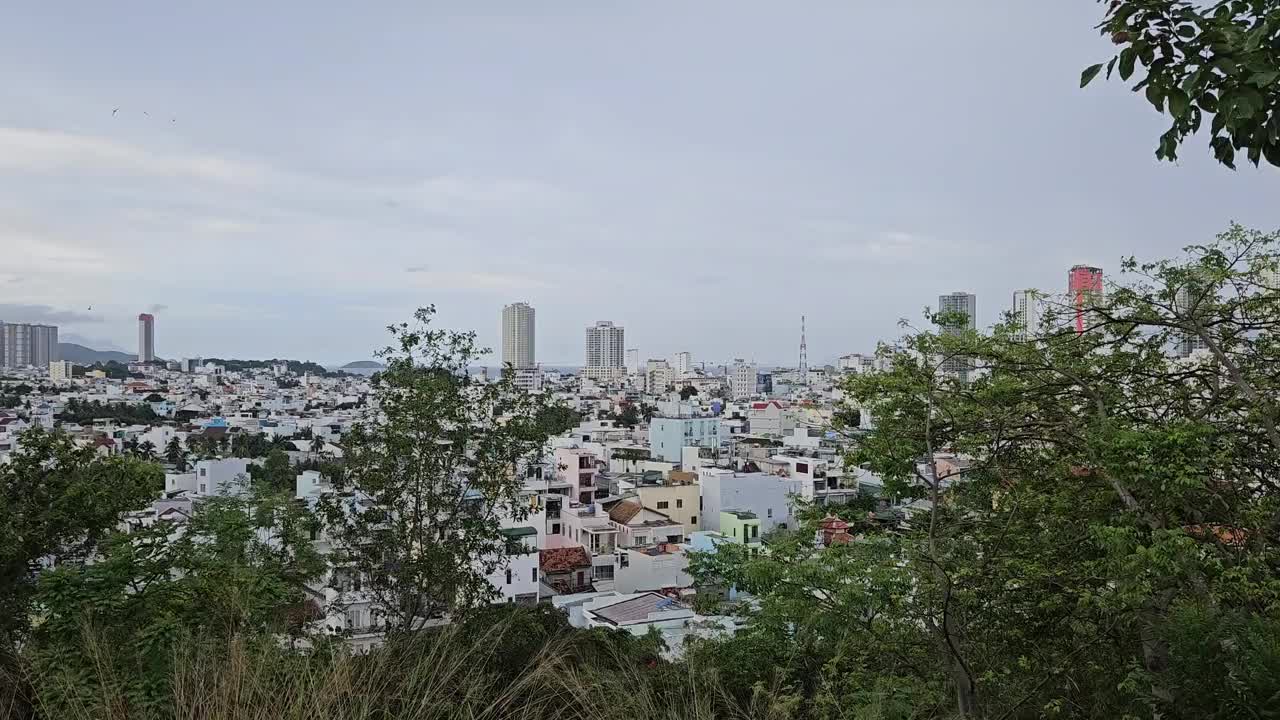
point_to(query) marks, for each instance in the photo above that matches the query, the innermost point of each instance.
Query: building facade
(742, 379)
(518, 335)
(1026, 313)
(146, 337)
(963, 307)
(669, 436)
(1084, 285)
(684, 363)
(605, 357)
(28, 345)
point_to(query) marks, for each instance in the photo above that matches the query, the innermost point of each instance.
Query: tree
(175, 455)
(275, 472)
(687, 392)
(238, 568)
(1094, 507)
(317, 444)
(629, 416)
(57, 501)
(435, 476)
(1220, 59)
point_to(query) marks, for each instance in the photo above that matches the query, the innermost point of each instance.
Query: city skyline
(453, 189)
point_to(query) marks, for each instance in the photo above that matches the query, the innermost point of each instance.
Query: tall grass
(499, 672)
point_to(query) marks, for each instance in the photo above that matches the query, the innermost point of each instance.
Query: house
(770, 419)
(636, 613)
(742, 526)
(657, 567)
(768, 495)
(639, 526)
(668, 436)
(566, 570)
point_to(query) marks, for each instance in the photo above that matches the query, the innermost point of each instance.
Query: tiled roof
(629, 612)
(562, 559)
(624, 511)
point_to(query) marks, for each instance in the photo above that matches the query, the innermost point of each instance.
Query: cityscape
(590, 361)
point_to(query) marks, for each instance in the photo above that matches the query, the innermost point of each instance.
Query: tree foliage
(1218, 60)
(57, 501)
(1097, 528)
(418, 509)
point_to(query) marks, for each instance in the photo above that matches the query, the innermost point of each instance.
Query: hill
(81, 355)
(363, 365)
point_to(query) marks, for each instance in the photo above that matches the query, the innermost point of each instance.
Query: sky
(285, 179)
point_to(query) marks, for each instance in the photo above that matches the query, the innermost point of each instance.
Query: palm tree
(317, 444)
(147, 450)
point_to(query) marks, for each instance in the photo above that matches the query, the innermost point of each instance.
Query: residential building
(655, 567)
(741, 526)
(1188, 343)
(1084, 285)
(225, 476)
(770, 418)
(605, 352)
(639, 526)
(857, 362)
(684, 363)
(657, 376)
(146, 337)
(742, 380)
(528, 379)
(28, 345)
(518, 581)
(1027, 306)
(767, 495)
(675, 498)
(669, 436)
(578, 467)
(518, 335)
(633, 360)
(61, 370)
(963, 309)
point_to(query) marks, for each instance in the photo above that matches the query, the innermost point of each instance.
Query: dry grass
(452, 673)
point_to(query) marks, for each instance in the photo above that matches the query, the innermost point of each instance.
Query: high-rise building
(517, 335)
(61, 370)
(146, 337)
(1026, 313)
(1188, 344)
(963, 307)
(605, 351)
(1084, 286)
(657, 376)
(633, 360)
(742, 379)
(684, 363)
(27, 345)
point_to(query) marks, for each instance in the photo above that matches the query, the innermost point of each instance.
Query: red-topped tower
(1084, 284)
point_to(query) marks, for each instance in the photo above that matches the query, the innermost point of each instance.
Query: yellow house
(676, 498)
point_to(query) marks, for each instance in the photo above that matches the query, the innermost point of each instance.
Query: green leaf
(1089, 74)
(1155, 96)
(1271, 151)
(1178, 103)
(1208, 102)
(1110, 66)
(1127, 56)
(1187, 31)
(1264, 79)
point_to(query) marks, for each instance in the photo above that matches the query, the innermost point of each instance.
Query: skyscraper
(605, 351)
(742, 380)
(518, 335)
(1026, 313)
(44, 345)
(1188, 343)
(958, 304)
(684, 363)
(1084, 286)
(146, 337)
(27, 345)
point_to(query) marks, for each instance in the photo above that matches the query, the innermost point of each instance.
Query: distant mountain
(363, 365)
(82, 355)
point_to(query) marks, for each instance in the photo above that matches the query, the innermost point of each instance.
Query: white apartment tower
(517, 335)
(27, 345)
(962, 304)
(1026, 313)
(684, 363)
(742, 381)
(146, 337)
(605, 351)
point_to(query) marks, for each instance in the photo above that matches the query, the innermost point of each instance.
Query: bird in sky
(113, 112)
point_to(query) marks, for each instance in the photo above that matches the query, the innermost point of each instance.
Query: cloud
(43, 151)
(474, 281)
(18, 313)
(157, 308)
(417, 269)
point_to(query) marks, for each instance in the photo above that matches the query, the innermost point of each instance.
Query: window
(555, 528)
(693, 519)
(203, 472)
(679, 503)
(641, 540)
(508, 576)
(203, 488)
(699, 502)
(802, 467)
(663, 504)
(768, 513)
(535, 574)
(755, 531)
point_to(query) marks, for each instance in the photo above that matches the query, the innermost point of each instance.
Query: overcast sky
(285, 179)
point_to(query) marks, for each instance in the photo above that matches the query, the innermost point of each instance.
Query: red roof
(563, 559)
(833, 523)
